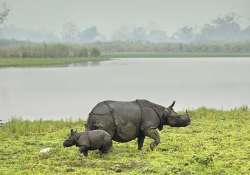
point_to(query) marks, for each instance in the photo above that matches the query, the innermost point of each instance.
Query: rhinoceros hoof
(152, 146)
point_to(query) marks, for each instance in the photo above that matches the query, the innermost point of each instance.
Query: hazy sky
(109, 15)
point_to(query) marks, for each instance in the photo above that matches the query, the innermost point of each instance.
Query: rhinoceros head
(174, 119)
(71, 140)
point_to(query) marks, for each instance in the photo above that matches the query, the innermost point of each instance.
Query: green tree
(4, 11)
(95, 52)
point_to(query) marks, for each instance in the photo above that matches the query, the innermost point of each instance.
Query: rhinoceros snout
(67, 143)
(186, 121)
(179, 121)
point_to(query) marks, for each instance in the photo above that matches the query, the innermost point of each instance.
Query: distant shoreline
(170, 55)
(50, 62)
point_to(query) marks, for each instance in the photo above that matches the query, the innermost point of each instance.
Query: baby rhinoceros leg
(107, 144)
(84, 150)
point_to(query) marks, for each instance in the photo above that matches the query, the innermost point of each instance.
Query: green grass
(43, 62)
(217, 142)
(170, 55)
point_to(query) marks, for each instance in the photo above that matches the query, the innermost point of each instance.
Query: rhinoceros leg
(84, 150)
(140, 141)
(153, 134)
(106, 147)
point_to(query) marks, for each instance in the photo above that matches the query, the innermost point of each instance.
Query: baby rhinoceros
(89, 140)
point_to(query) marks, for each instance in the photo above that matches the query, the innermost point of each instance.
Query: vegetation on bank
(216, 142)
(207, 48)
(45, 50)
(26, 54)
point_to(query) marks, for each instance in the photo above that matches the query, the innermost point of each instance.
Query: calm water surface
(71, 92)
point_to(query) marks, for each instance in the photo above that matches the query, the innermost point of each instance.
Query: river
(72, 91)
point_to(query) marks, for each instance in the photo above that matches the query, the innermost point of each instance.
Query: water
(71, 92)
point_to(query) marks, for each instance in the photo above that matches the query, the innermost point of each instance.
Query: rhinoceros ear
(187, 113)
(71, 131)
(172, 105)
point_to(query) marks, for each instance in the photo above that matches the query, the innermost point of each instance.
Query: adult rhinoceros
(125, 121)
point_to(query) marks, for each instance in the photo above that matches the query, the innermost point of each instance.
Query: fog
(139, 20)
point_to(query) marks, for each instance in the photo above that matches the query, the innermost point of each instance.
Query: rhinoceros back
(120, 119)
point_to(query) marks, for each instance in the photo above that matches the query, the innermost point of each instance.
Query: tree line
(20, 49)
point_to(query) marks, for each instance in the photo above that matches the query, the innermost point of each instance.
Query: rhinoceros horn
(188, 116)
(172, 105)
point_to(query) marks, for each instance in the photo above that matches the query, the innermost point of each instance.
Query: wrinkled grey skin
(89, 140)
(125, 121)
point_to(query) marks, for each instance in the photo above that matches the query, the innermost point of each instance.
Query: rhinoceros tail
(92, 123)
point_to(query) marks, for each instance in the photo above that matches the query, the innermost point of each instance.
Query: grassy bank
(217, 142)
(46, 62)
(43, 62)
